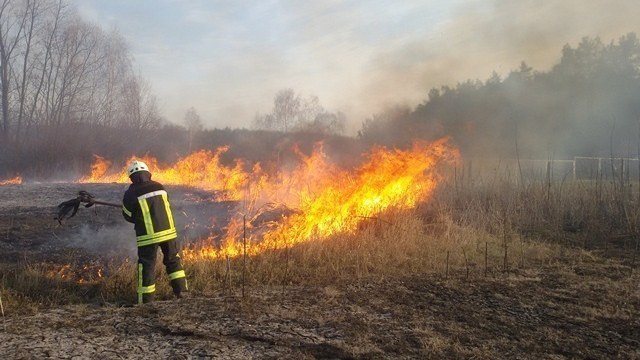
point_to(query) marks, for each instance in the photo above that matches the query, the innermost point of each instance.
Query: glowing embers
(13, 181)
(78, 273)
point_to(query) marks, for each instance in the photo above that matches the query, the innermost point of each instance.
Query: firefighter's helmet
(136, 166)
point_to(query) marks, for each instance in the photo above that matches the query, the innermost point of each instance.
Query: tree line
(588, 103)
(63, 81)
(58, 70)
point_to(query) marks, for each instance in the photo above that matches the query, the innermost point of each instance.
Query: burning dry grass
(462, 232)
(320, 199)
(392, 216)
(13, 181)
(201, 169)
(395, 243)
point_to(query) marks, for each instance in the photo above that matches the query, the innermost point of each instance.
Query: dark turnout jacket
(146, 205)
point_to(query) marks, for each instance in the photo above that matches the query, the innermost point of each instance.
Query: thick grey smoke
(357, 57)
(487, 36)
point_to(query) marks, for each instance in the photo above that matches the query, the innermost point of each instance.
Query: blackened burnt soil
(28, 231)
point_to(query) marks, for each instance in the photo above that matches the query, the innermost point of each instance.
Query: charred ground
(29, 231)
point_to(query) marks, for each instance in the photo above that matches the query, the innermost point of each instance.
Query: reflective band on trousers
(177, 275)
(143, 289)
(147, 289)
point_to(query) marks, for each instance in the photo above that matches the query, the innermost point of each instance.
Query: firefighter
(146, 205)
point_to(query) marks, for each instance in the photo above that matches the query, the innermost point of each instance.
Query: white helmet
(136, 166)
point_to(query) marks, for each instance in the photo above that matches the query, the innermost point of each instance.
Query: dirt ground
(550, 314)
(587, 309)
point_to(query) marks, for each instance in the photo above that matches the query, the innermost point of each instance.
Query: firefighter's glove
(86, 198)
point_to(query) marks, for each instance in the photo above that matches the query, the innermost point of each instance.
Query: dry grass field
(482, 270)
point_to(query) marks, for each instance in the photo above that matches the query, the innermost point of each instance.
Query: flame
(329, 200)
(13, 181)
(80, 274)
(201, 169)
(314, 200)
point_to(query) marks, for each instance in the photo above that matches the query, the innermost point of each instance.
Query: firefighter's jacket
(146, 205)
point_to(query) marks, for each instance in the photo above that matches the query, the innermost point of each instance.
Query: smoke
(359, 58)
(107, 242)
(486, 36)
(106, 235)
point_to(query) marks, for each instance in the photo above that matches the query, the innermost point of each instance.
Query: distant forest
(588, 104)
(68, 91)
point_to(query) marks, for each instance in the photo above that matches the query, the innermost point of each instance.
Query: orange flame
(13, 181)
(200, 169)
(329, 200)
(319, 198)
(77, 273)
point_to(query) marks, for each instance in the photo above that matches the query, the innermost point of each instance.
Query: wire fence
(551, 170)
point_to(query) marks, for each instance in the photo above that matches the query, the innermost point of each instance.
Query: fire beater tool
(84, 197)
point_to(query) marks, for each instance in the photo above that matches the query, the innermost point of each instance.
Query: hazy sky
(227, 59)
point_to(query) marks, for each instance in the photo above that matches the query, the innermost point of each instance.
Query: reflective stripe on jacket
(146, 205)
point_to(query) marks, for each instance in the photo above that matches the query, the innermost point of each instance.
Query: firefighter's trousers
(146, 269)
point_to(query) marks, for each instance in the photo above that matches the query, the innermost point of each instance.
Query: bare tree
(107, 101)
(140, 109)
(326, 122)
(33, 11)
(193, 124)
(291, 112)
(286, 107)
(60, 72)
(55, 13)
(12, 22)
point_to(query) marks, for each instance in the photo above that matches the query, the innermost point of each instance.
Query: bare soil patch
(550, 313)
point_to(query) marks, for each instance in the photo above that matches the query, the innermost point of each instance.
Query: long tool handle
(107, 203)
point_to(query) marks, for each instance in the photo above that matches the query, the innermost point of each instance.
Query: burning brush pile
(312, 200)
